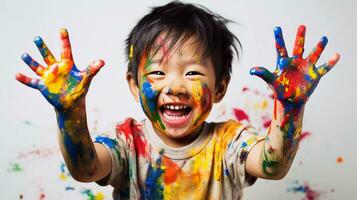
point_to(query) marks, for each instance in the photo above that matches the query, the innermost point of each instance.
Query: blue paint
(29, 61)
(154, 188)
(71, 148)
(226, 172)
(69, 188)
(107, 141)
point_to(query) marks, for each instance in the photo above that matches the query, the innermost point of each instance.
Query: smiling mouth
(175, 115)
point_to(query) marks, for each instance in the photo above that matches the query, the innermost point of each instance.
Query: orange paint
(172, 170)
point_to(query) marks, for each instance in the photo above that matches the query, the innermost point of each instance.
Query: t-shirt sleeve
(116, 148)
(236, 156)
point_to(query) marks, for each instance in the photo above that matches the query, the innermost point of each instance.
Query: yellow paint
(312, 73)
(298, 92)
(131, 53)
(63, 176)
(197, 92)
(191, 181)
(99, 196)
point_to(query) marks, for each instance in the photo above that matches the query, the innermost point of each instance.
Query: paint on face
(149, 95)
(202, 102)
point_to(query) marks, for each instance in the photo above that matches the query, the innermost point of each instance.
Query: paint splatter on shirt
(211, 167)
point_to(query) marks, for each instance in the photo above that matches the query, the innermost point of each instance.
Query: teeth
(173, 116)
(172, 107)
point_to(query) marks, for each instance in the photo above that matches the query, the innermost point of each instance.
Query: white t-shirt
(211, 167)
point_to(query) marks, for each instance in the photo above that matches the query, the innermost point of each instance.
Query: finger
(322, 70)
(45, 52)
(263, 73)
(27, 81)
(316, 52)
(37, 68)
(279, 43)
(94, 67)
(66, 45)
(299, 42)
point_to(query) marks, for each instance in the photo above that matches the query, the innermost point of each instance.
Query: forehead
(165, 47)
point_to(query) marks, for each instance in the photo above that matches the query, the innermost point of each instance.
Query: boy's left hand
(295, 78)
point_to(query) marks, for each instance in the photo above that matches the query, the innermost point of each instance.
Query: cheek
(148, 98)
(202, 97)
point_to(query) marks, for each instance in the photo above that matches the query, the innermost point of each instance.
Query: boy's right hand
(61, 83)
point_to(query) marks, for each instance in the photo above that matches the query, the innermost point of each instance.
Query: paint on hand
(293, 81)
(61, 83)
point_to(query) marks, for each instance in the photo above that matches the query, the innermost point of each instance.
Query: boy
(179, 64)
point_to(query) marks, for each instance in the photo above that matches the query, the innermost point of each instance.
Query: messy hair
(179, 22)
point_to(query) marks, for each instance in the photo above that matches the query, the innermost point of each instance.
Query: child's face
(176, 88)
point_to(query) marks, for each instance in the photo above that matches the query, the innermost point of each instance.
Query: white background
(98, 30)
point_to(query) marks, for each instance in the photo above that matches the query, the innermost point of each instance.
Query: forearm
(75, 143)
(282, 140)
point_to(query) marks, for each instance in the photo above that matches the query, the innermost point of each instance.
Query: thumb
(94, 67)
(263, 73)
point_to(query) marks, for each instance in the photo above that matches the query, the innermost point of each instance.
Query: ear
(220, 90)
(134, 88)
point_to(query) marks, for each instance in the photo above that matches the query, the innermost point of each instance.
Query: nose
(176, 90)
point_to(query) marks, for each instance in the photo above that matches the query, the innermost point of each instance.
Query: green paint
(267, 163)
(89, 194)
(15, 167)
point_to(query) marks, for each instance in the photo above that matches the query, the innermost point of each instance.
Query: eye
(157, 73)
(194, 73)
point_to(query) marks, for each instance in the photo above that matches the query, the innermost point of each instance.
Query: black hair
(181, 21)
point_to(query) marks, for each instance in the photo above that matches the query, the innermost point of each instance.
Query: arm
(65, 87)
(292, 82)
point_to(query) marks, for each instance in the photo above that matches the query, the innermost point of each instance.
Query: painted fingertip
(302, 28)
(324, 41)
(334, 59)
(26, 58)
(252, 71)
(101, 62)
(38, 41)
(277, 31)
(18, 76)
(63, 33)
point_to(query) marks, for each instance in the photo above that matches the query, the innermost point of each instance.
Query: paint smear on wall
(91, 196)
(15, 167)
(305, 189)
(240, 114)
(339, 160)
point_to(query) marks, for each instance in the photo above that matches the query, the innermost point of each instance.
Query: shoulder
(128, 127)
(230, 127)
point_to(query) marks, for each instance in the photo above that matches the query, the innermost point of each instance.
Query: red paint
(275, 108)
(304, 135)
(42, 196)
(133, 132)
(267, 123)
(245, 88)
(240, 114)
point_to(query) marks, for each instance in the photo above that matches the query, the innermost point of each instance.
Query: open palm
(61, 83)
(295, 78)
